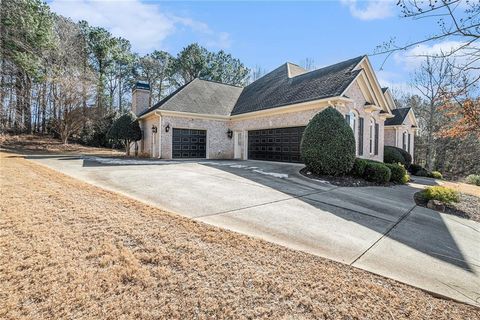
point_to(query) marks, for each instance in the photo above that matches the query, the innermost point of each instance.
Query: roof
(399, 116)
(277, 89)
(286, 85)
(200, 96)
(384, 89)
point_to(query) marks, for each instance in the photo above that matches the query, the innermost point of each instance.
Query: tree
(432, 80)
(222, 67)
(328, 144)
(464, 119)
(308, 64)
(191, 63)
(156, 68)
(256, 73)
(126, 129)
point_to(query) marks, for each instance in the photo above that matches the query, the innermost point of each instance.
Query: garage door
(188, 143)
(281, 144)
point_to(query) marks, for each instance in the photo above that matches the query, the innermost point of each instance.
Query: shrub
(392, 155)
(423, 173)
(414, 168)
(377, 172)
(126, 129)
(436, 175)
(443, 194)
(359, 166)
(399, 173)
(328, 144)
(473, 179)
(407, 156)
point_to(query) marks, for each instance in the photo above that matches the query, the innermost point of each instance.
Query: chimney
(140, 97)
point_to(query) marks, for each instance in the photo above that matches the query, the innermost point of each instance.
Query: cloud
(370, 9)
(412, 58)
(144, 24)
(394, 81)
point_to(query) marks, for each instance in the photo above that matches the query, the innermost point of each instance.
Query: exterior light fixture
(230, 134)
(154, 129)
(167, 128)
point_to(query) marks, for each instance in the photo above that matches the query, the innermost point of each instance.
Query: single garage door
(189, 143)
(281, 144)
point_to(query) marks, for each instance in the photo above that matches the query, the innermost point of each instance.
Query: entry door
(238, 144)
(280, 144)
(189, 143)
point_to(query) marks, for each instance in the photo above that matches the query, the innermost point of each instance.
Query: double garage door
(189, 143)
(281, 144)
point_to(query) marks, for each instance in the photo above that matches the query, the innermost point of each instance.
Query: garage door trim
(189, 129)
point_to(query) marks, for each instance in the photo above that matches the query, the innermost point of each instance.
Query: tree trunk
(27, 113)
(19, 102)
(127, 148)
(429, 150)
(44, 106)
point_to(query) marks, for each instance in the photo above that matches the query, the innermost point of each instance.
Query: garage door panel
(189, 143)
(279, 144)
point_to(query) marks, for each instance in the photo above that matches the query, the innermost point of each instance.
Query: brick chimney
(140, 97)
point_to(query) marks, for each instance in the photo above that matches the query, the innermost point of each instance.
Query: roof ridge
(218, 82)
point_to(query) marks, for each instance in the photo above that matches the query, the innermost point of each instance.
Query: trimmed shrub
(328, 144)
(359, 166)
(414, 168)
(473, 179)
(399, 173)
(377, 172)
(127, 129)
(423, 173)
(436, 175)
(396, 155)
(443, 194)
(392, 155)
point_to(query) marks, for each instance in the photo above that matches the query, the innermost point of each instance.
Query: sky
(268, 33)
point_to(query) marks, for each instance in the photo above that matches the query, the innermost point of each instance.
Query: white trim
(159, 137)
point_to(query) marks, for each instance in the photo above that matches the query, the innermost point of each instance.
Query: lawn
(71, 250)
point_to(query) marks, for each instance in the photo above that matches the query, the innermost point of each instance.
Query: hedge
(359, 166)
(328, 144)
(377, 172)
(443, 194)
(399, 173)
(393, 155)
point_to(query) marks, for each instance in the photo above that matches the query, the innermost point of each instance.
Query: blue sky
(264, 34)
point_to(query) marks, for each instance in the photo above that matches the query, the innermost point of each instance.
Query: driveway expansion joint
(403, 217)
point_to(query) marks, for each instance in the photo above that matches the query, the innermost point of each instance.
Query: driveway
(378, 229)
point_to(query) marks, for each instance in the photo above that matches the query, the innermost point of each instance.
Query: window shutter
(347, 118)
(360, 136)
(376, 138)
(409, 135)
(404, 141)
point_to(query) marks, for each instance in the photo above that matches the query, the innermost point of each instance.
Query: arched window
(353, 120)
(372, 134)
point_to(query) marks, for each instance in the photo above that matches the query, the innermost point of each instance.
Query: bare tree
(457, 20)
(432, 80)
(256, 73)
(308, 64)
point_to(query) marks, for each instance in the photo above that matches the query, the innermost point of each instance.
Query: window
(352, 119)
(404, 141)
(360, 136)
(372, 124)
(377, 129)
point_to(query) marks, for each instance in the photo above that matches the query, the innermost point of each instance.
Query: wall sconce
(167, 128)
(230, 134)
(154, 129)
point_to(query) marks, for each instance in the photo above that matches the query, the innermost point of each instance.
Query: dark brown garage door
(281, 144)
(189, 143)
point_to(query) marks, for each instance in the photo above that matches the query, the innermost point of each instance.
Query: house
(400, 130)
(264, 120)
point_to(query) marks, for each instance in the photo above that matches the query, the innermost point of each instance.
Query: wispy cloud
(144, 24)
(412, 58)
(370, 9)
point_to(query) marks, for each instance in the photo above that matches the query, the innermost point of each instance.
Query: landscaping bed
(85, 253)
(468, 207)
(343, 181)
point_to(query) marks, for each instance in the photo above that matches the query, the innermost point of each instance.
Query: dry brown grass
(69, 250)
(28, 143)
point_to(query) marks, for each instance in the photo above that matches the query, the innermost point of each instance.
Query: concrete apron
(378, 229)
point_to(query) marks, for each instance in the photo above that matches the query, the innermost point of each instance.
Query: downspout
(159, 135)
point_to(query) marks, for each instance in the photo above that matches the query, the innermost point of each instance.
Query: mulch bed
(342, 181)
(467, 208)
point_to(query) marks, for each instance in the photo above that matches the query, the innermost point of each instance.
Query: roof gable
(400, 115)
(277, 89)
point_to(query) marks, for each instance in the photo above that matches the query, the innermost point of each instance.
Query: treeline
(72, 79)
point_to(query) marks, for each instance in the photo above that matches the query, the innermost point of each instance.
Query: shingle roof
(276, 89)
(201, 96)
(288, 84)
(399, 116)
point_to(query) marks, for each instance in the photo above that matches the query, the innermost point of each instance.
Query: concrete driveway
(378, 229)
